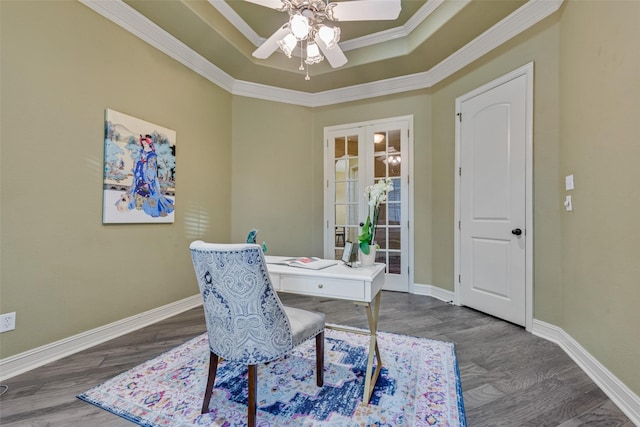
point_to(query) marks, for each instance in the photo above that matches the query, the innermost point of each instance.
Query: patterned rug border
(125, 414)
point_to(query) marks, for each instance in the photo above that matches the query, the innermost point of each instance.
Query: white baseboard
(23, 362)
(433, 291)
(620, 394)
(616, 390)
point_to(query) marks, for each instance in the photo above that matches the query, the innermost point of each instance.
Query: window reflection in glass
(394, 238)
(341, 192)
(393, 141)
(393, 263)
(352, 145)
(340, 236)
(339, 147)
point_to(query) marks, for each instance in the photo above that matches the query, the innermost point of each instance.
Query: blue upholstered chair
(246, 322)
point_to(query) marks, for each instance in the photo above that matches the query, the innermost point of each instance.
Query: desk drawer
(333, 288)
(275, 281)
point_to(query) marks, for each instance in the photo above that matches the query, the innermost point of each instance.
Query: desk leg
(370, 381)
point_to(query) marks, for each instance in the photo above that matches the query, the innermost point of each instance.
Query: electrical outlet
(7, 322)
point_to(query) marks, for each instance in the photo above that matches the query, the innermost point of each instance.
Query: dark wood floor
(509, 377)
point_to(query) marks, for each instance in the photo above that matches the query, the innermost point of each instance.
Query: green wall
(274, 178)
(244, 163)
(600, 110)
(61, 270)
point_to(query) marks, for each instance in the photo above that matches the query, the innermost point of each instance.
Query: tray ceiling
(225, 33)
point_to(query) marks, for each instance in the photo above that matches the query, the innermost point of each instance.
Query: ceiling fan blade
(366, 10)
(273, 4)
(334, 55)
(271, 44)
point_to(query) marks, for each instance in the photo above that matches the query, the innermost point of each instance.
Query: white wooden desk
(361, 285)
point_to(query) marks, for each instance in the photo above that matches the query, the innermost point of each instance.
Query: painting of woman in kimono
(145, 189)
(139, 171)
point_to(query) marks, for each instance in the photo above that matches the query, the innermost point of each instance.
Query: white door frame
(328, 198)
(526, 70)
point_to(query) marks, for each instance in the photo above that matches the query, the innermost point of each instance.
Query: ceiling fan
(307, 25)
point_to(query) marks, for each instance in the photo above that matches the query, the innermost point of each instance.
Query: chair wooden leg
(251, 407)
(320, 359)
(213, 368)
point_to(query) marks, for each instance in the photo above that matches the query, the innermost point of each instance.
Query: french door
(356, 156)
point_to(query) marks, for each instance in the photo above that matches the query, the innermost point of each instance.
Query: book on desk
(312, 263)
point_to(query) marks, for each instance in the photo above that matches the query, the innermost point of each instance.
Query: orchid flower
(376, 194)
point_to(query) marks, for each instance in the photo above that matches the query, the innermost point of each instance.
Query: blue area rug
(419, 385)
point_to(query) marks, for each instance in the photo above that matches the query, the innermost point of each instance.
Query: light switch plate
(567, 204)
(568, 182)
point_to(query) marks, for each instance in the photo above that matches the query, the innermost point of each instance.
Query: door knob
(516, 231)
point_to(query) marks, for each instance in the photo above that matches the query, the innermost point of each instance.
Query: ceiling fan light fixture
(287, 44)
(299, 25)
(305, 25)
(329, 35)
(392, 160)
(313, 54)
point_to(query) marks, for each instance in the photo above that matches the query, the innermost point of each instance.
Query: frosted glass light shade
(299, 26)
(313, 54)
(287, 44)
(329, 35)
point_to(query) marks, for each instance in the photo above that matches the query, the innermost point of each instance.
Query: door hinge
(459, 117)
(459, 225)
(459, 278)
(460, 171)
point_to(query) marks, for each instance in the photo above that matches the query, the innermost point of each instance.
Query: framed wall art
(139, 171)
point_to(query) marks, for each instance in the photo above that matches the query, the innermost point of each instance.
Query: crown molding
(393, 33)
(423, 13)
(271, 93)
(368, 40)
(520, 20)
(373, 39)
(140, 26)
(237, 21)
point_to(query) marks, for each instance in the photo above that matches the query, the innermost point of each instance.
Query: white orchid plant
(376, 194)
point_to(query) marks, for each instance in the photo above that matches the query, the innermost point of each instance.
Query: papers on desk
(311, 263)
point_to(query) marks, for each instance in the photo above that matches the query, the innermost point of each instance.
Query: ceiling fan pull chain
(301, 55)
(301, 68)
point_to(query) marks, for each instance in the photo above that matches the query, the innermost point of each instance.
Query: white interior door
(357, 155)
(492, 176)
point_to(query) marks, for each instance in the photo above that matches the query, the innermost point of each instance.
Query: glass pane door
(387, 161)
(357, 156)
(346, 188)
